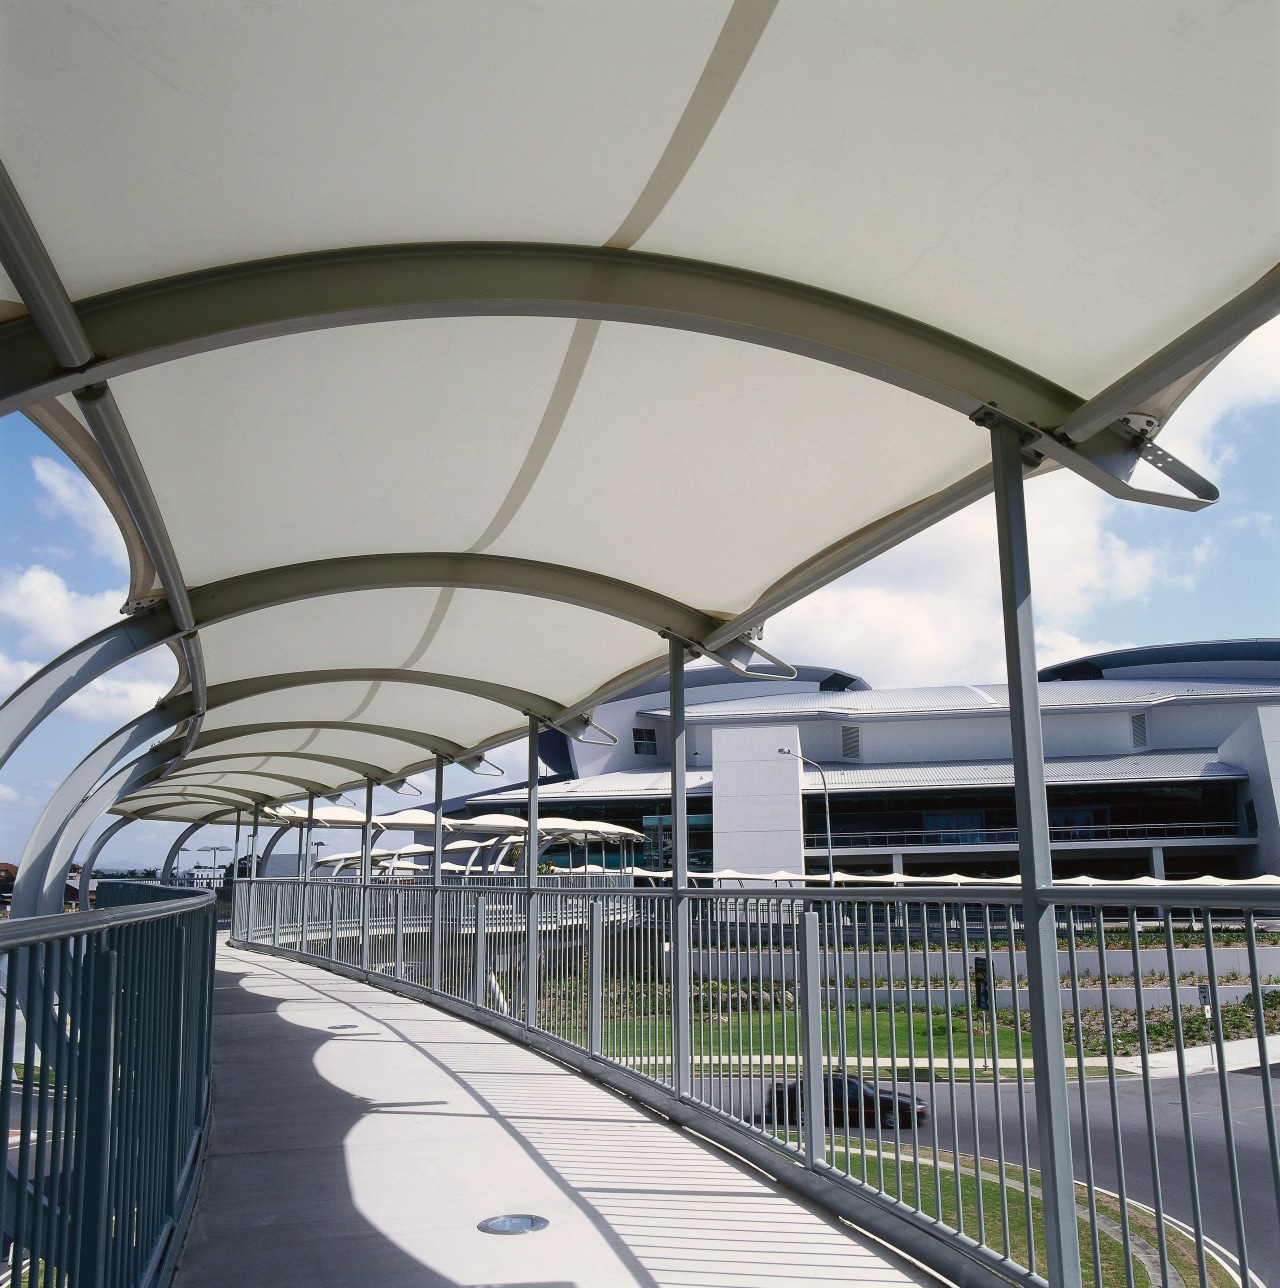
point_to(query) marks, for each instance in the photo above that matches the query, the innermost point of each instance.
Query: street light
(213, 862)
(826, 798)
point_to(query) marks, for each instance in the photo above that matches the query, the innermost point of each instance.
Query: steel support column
(679, 877)
(531, 848)
(253, 844)
(1062, 1244)
(366, 871)
(437, 858)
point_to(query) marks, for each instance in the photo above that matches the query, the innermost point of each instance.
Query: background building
(1159, 761)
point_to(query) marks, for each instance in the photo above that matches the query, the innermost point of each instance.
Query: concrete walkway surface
(358, 1138)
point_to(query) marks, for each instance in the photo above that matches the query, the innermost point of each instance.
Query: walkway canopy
(436, 360)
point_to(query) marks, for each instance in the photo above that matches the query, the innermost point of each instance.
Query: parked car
(848, 1098)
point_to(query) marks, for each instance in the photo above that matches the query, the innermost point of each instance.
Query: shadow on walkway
(359, 1137)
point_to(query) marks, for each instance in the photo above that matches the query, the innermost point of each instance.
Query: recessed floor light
(343, 1026)
(515, 1223)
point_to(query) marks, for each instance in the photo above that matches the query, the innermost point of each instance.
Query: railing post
(275, 915)
(100, 1100)
(364, 927)
(396, 894)
(477, 955)
(595, 977)
(813, 1116)
(333, 923)
(304, 892)
(531, 885)
(179, 986)
(1053, 1121)
(680, 939)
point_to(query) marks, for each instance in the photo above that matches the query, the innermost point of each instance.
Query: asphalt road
(1217, 1206)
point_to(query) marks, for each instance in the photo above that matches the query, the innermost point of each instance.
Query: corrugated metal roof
(983, 697)
(1150, 766)
(640, 783)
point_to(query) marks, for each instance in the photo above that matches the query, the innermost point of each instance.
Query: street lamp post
(214, 849)
(826, 800)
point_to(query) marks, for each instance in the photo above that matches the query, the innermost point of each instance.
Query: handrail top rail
(1250, 893)
(59, 925)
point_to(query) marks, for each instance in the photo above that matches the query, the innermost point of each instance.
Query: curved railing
(872, 1002)
(104, 1087)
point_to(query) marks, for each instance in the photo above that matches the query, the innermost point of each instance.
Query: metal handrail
(105, 1061)
(790, 989)
(26, 931)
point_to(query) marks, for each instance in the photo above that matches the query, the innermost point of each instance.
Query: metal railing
(872, 1049)
(104, 1087)
(890, 837)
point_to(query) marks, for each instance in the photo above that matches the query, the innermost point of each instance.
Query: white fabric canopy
(601, 322)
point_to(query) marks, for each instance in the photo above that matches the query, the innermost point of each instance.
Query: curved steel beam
(171, 859)
(156, 322)
(86, 869)
(144, 770)
(361, 768)
(426, 742)
(230, 796)
(219, 601)
(532, 704)
(276, 837)
(195, 779)
(43, 839)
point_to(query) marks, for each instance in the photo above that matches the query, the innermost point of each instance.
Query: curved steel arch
(530, 704)
(171, 859)
(91, 859)
(48, 898)
(276, 837)
(141, 326)
(361, 768)
(180, 778)
(270, 588)
(427, 742)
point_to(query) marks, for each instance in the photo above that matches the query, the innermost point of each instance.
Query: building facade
(1159, 761)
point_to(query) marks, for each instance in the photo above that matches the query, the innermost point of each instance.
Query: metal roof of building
(1148, 767)
(970, 699)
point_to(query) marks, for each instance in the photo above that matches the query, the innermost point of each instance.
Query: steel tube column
(437, 858)
(1062, 1243)
(679, 877)
(366, 871)
(253, 844)
(531, 848)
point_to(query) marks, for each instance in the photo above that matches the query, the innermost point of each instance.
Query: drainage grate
(516, 1223)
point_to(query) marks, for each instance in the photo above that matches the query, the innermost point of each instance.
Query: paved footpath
(359, 1137)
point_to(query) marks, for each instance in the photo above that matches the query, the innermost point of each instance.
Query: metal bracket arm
(1108, 460)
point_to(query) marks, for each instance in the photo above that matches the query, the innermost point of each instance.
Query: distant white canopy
(437, 396)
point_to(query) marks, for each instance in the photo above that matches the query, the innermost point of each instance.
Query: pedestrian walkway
(359, 1137)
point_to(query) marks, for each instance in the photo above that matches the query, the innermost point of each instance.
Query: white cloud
(7, 793)
(49, 615)
(928, 612)
(68, 493)
(1248, 377)
(128, 691)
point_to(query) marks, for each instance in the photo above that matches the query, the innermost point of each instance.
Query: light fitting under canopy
(438, 360)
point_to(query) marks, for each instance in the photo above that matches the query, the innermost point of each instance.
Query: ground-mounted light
(333, 1028)
(513, 1223)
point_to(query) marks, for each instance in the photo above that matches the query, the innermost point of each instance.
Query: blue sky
(1107, 574)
